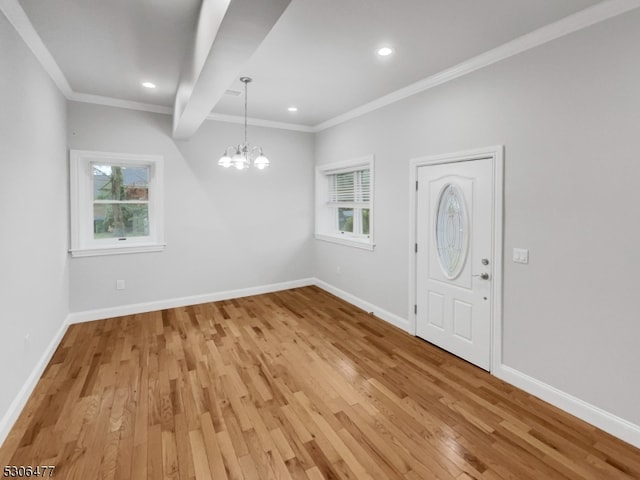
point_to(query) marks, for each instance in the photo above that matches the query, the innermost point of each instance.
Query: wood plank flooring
(295, 384)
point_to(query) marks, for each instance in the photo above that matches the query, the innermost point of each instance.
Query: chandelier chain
(245, 114)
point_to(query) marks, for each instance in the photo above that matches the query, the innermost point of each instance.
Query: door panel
(454, 235)
(436, 310)
(462, 320)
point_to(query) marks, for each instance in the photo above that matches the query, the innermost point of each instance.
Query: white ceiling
(319, 56)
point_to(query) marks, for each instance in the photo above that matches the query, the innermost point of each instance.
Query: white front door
(454, 270)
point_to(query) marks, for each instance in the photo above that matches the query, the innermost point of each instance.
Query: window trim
(81, 204)
(323, 230)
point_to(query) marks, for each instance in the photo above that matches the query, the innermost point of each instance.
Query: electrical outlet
(119, 284)
(339, 270)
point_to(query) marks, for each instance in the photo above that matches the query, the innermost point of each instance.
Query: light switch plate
(520, 255)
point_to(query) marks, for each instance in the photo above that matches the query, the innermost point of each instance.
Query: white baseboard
(12, 414)
(602, 419)
(591, 414)
(392, 318)
(90, 315)
(10, 417)
(610, 423)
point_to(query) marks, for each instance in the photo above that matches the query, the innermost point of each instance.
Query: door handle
(483, 276)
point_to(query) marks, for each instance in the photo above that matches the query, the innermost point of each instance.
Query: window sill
(94, 252)
(350, 242)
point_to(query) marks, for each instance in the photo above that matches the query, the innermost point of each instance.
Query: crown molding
(117, 102)
(20, 21)
(572, 23)
(18, 18)
(148, 107)
(260, 123)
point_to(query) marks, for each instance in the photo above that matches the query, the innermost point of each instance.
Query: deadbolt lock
(485, 261)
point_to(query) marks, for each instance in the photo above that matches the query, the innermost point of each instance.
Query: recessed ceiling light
(293, 109)
(385, 51)
(148, 85)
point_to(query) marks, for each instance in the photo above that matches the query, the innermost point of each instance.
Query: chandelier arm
(255, 151)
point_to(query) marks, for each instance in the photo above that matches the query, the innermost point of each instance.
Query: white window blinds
(350, 189)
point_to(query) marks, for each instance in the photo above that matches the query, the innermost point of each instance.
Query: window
(116, 203)
(344, 203)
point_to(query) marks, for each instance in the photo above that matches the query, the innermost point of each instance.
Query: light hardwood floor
(295, 384)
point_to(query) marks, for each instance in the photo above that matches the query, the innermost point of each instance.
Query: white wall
(225, 229)
(34, 285)
(568, 113)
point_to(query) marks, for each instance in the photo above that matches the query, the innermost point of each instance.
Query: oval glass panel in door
(452, 231)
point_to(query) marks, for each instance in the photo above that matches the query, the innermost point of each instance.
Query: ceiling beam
(228, 33)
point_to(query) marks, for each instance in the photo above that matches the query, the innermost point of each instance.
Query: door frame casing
(496, 154)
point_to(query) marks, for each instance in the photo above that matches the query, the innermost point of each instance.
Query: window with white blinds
(344, 207)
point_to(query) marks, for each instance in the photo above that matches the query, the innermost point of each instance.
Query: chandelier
(244, 154)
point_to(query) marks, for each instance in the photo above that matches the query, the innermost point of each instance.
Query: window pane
(365, 221)
(120, 220)
(345, 219)
(452, 235)
(113, 182)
